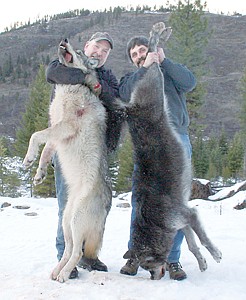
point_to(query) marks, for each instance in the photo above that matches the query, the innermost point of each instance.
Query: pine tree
(242, 115)
(35, 116)
(187, 45)
(235, 156)
(3, 169)
(124, 180)
(217, 151)
(7, 67)
(200, 157)
(34, 119)
(9, 180)
(215, 158)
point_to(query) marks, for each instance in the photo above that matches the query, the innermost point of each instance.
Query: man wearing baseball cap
(102, 36)
(99, 46)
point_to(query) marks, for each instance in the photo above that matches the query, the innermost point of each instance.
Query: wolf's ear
(129, 254)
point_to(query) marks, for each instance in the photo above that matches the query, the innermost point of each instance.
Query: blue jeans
(61, 194)
(176, 249)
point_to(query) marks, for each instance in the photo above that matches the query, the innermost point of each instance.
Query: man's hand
(153, 57)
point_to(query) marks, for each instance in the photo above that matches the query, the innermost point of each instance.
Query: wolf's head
(149, 261)
(76, 59)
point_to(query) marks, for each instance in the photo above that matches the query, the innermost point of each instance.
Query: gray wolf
(163, 176)
(77, 135)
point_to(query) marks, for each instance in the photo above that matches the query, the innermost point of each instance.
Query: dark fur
(163, 177)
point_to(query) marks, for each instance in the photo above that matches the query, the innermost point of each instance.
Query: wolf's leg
(44, 161)
(61, 272)
(196, 225)
(155, 33)
(189, 235)
(158, 30)
(37, 138)
(71, 261)
(85, 231)
(60, 131)
(66, 224)
(65, 257)
(74, 241)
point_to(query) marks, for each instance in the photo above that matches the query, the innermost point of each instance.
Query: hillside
(226, 51)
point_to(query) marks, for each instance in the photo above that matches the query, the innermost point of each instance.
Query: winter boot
(175, 271)
(130, 268)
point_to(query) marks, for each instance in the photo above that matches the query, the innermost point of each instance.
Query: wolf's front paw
(28, 161)
(40, 176)
(202, 264)
(217, 255)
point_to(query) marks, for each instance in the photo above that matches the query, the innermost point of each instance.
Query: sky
(27, 251)
(25, 10)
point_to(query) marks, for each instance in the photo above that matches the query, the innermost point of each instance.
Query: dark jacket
(178, 81)
(57, 73)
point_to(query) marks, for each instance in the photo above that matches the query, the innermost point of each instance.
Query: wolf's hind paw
(159, 28)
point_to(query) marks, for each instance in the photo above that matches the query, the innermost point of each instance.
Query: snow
(28, 255)
(226, 191)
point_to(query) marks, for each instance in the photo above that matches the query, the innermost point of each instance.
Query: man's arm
(56, 73)
(109, 88)
(183, 78)
(109, 83)
(128, 82)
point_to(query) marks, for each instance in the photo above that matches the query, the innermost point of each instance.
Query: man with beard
(178, 80)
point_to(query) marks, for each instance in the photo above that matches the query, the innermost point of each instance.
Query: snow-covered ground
(28, 254)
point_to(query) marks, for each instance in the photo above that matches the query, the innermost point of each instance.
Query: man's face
(138, 55)
(99, 50)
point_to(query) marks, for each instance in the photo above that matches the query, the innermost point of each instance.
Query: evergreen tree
(35, 116)
(9, 180)
(215, 160)
(187, 45)
(124, 180)
(217, 150)
(34, 119)
(223, 143)
(212, 172)
(235, 156)
(200, 157)
(3, 169)
(7, 67)
(242, 115)
(6, 143)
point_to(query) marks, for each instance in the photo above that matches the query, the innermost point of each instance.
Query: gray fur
(77, 134)
(163, 177)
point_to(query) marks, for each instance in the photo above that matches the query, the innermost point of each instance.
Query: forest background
(213, 47)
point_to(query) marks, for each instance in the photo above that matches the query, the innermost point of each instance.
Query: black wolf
(163, 177)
